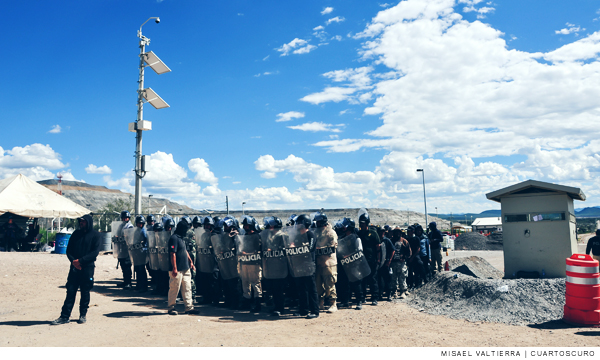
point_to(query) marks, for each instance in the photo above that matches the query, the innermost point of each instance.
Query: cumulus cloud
(296, 46)
(93, 169)
(337, 19)
(56, 129)
(319, 28)
(317, 126)
(30, 156)
(327, 10)
(571, 28)
(290, 115)
(203, 174)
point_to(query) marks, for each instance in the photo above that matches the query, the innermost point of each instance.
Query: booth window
(516, 217)
(558, 216)
(549, 217)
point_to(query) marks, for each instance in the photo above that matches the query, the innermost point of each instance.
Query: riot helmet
(197, 221)
(208, 223)
(187, 220)
(363, 218)
(169, 224)
(139, 220)
(291, 220)
(303, 220)
(272, 222)
(150, 219)
(158, 227)
(320, 219)
(125, 215)
(229, 222)
(250, 224)
(347, 224)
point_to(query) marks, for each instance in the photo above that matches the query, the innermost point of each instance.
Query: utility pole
(227, 204)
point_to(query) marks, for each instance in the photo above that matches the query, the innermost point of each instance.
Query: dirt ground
(32, 293)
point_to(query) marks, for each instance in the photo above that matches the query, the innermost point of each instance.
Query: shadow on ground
(25, 323)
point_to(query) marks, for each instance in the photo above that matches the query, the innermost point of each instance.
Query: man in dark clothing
(10, 231)
(416, 274)
(82, 251)
(435, 242)
(425, 253)
(180, 275)
(384, 274)
(140, 270)
(593, 245)
(372, 250)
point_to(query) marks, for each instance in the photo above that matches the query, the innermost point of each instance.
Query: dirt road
(33, 291)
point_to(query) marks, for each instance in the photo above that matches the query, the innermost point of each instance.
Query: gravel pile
(476, 241)
(475, 266)
(511, 301)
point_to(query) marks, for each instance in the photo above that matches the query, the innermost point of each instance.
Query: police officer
(250, 264)
(162, 277)
(308, 299)
(345, 287)
(593, 245)
(326, 272)
(179, 269)
(190, 243)
(125, 262)
(435, 242)
(140, 270)
(275, 269)
(399, 269)
(231, 287)
(150, 221)
(207, 282)
(372, 250)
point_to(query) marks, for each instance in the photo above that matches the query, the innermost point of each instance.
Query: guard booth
(538, 223)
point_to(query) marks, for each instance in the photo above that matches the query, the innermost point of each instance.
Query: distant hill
(588, 212)
(461, 216)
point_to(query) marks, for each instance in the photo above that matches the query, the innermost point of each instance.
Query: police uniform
(371, 246)
(125, 262)
(190, 243)
(326, 270)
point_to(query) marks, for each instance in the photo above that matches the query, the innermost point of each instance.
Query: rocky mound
(475, 266)
(513, 302)
(476, 241)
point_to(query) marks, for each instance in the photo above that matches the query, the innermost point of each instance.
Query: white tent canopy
(22, 196)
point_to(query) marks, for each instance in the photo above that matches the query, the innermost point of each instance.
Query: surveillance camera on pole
(146, 59)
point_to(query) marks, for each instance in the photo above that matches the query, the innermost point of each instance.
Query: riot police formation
(306, 265)
(120, 250)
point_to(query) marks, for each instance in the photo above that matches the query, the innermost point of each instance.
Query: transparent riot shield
(118, 240)
(351, 257)
(152, 251)
(383, 254)
(249, 257)
(274, 262)
(326, 243)
(162, 242)
(205, 260)
(360, 212)
(224, 247)
(297, 251)
(137, 246)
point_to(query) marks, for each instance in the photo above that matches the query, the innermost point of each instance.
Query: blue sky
(307, 104)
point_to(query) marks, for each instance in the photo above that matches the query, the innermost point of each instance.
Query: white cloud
(317, 126)
(203, 174)
(337, 37)
(337, 19)
(327, 10)
(56, 129)
(290, 115)
(569, 29)
(319, 28)
(296, 46)
(93, 169)
(67, 175)
(35, 155)
(305, 50)
(335, 94)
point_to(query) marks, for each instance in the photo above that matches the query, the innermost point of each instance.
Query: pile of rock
(476, 241)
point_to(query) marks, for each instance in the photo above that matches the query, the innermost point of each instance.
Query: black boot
(256, 307)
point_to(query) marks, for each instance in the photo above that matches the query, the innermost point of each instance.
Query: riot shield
(249, 257)
(352, 258)
(297, 251)
(224, 247)
(383, 254)
(326, 243)
(138, 251)
(162, 243)
(205, 260)
(360, 212)
(152, 251)
(119, 244)
(274, 262)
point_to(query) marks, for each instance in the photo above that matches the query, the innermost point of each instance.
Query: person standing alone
(82, 252)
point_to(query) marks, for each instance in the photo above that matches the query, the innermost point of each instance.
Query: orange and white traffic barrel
(582, 298)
